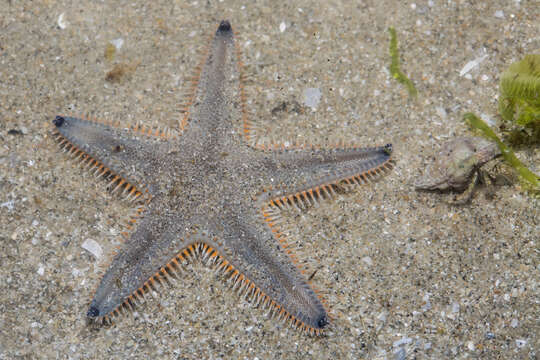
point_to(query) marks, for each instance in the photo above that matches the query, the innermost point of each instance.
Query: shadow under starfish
(213, 194)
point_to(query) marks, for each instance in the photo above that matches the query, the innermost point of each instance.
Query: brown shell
(454, 166)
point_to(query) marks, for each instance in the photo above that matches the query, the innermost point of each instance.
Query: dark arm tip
(323, 321)
(388, 149)
(92, 312)
(224, 26)
(58, 121)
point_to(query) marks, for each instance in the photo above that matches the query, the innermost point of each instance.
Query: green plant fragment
(110, 51)
(530, 180)
(394, 65)
(519, 101)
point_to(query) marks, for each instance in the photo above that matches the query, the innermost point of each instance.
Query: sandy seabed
(404, 274)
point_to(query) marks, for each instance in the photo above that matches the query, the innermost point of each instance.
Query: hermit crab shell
(455, 165)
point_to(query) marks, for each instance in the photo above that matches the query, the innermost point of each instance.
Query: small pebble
(117, 43)
(427, 304)
(312, 96)
(521, 343)
(402, 341)
(367, 260)
(441, 112)
(400, 354)
(10, 205)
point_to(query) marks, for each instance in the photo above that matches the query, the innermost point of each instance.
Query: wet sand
(404, 274)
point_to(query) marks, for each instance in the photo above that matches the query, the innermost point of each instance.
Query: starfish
(212, 192)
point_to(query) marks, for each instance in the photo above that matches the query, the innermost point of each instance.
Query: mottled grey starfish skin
(209, 188)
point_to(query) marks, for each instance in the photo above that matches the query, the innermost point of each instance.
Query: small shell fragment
(62, 24)
(93, 248)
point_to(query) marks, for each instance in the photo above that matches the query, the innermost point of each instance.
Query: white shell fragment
(117, 43)
(62, 24)
(312, 96)
(93, 248)
(471, 65)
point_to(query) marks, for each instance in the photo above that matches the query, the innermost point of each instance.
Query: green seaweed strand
(530, 180)
(394, 65)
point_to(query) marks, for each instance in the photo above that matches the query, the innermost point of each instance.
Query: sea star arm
(145, 260)
(154, 252)
(216, 90)
(262, 269)
(303, 176)
(124, 157)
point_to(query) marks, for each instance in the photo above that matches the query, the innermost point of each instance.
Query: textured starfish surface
(212, 190)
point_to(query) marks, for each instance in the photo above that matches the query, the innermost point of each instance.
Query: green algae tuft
(519, 101)
(394, 65)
